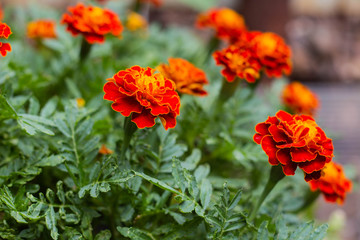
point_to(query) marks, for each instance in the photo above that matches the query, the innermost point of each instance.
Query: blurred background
(325, 39)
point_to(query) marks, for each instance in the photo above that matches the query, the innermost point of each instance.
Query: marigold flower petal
(4, 48)
(41, 29)
(300, 99)
(187, 78)
(294, 141)
(332, 183)
(5, 32)
(144, 95)
(92, 22)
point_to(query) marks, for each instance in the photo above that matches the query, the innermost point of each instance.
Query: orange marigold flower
(238, 61)
(300, 99)
(80, 102)
(295, 141)
(144, 95)
(227, 23)
(273, 53)
(92, 22)
(41, 29)
(332, 183)
(135, 22)
(104, 150)
(188, 78)
(5, 32)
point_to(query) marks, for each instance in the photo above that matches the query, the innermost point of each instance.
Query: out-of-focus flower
(157, 3)
(238, 61)
(188, 78)
(295, 141)
(135, 22)
(5, 32)
(332, 183)
(299, 99)
(41, 29)
(104, 150)
(273, 53)
(92, 22)
(80, 102)
(228, 24)
(144, 95)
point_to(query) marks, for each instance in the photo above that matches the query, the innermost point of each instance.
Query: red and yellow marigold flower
(188, 78)
(273, 53)
(5, 32)
(92, 22)
(299, 99)
(135, 22)
(295, 141)
(144, 95)
(227, 23)
(41, 29)
(238, 62)
(332, 183)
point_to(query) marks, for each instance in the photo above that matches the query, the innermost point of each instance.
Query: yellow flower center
(267, 43)
(301, 133)
(150, 84)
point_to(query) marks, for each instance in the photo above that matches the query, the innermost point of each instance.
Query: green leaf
(7, 111)
(63, 127)
(49, 107)
(192, 161)
(103, 235)
(50, 220)
(281, 229)
(135, 233)
(263, 233)
(302, 232)
(187, 206)
(205, 193)
(179, 175)
(156, 182)
(51, 161)
(235, 201)
(319, 233)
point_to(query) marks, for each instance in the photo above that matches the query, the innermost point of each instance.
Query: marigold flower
(300, 99)
(104, 150)
(135, 22)
(92, 22)
(295, 141)
(5, 32)
(273, 53)
(227, 23)
(41, 29)
(238, 61)
(332, 183)
(188, 78)
(80, 102)
(144, 95)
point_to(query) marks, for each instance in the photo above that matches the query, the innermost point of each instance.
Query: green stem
(228, 89)
(276, 174)
(129, 129)
(212, 46)
(137, 6)
(84, 50)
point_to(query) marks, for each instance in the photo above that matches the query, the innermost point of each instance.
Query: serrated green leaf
(156, 182)
(205, 193)
(302, 232)
(263, 233)
(187, 206)
(49, 107)
(319, 233)
(135, 234)
(103, 235)
(63, 127)
(192, 161)
(51, 161)
(235, 201)
(50, 220)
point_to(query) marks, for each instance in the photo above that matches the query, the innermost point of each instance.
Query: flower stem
(84, 50)
(137, 6)
(212, 46)
(129, 129)
(228, 89)
(276, 174)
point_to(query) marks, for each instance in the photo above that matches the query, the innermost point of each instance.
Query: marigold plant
(5, 32)
(227, 23)
(333, 184)
(92, 22)
(188, 78)
(295, 141)
(238, 62)
(135, 22)
(300, 99)
(273, 53)
(144, 95)
(41, 29)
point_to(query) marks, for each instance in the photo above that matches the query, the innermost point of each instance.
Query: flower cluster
(299, 99)
(135, 22)
(5, 32)
(227, 23)
(144, 95)
(188, 78)
(332, 183)
(295, 141)
(92, 22)
(41, 29)
(253, 52)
